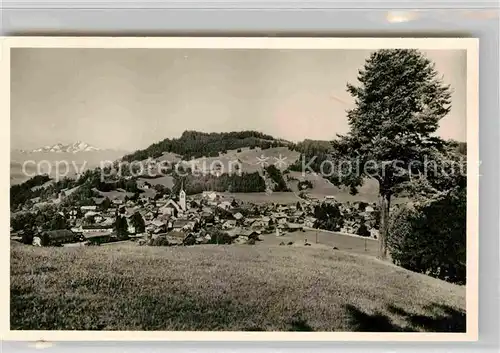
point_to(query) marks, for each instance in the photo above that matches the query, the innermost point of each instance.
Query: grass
(234, 287)
(115, 194)
(166, 180)
(322, 187)
(249, 159)
(327, 240)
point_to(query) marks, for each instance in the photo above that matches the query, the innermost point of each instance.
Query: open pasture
(233, 287)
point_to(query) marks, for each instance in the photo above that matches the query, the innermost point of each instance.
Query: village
(209, 217)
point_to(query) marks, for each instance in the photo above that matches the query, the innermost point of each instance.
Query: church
(175, 208)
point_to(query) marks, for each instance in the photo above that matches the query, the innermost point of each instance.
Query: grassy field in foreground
(329, 240)
(234, 287)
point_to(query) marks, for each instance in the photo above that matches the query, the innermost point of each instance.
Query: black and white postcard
(240, 188)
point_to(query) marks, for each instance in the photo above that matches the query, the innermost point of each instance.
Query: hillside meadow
(264, 287)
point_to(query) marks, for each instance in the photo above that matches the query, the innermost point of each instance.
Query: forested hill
(195, 144)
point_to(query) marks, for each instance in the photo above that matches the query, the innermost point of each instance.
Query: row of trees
(193, 184)
(312, 147)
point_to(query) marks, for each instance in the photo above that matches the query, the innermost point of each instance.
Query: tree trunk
(385, 204)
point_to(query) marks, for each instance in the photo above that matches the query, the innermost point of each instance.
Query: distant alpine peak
(75, 147)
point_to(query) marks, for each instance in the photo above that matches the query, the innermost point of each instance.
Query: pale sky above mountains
(130, 98)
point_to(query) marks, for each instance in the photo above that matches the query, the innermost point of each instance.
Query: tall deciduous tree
(106, 203)
(121, 227)
(399, 102)
(138, 223)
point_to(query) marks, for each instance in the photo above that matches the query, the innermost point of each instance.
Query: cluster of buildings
(196, 218)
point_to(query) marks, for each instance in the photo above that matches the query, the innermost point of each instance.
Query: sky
(130, 98)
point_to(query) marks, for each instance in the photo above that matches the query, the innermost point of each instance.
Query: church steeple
(182, 197)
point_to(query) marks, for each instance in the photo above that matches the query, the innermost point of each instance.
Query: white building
(182, 198)
(209, 195)
(169, 207)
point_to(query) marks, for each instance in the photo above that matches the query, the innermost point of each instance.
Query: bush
(430, 237)
(305, 184)
(219, 237)
(44, 239)
(363, 231)
(159, 241)
(362, 206)
(27, 238)
(189, 240)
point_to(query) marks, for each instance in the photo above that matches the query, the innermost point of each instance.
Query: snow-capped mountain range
(69, 148)
(79, 155)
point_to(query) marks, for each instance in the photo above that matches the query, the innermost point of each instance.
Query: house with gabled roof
(249, 221)
(230, 223)
(98, 237)
(55, 238)
(210, 195)
(156, 226)
(171, 208)
(238, 216)
(293, 226)
(225, 205)
(94, 228)
(182, 224)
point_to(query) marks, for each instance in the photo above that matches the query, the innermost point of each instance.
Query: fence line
(340, 233)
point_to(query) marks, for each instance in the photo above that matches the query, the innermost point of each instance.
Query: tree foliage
(399, 103)
(27, 238)
(313, 153)
(277, 177)
(328, 216)
(21, 193)
(138, 223)
(121, 227)
(430, 236)
(47, 218)
(219, 237)
(363, 230)
(106, 204)
(195, 184)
